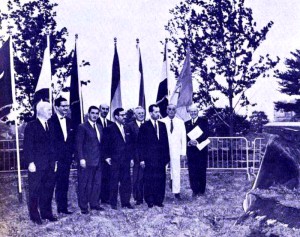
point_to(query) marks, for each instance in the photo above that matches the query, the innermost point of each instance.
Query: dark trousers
(138, 183)
(120, 181)
(89, 186)
(62, 186)
(41, 187)
(154, 184)
(197, 163)
(105, 182)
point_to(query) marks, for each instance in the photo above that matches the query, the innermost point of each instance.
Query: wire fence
(224, 153)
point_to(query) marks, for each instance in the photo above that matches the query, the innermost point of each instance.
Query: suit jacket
(37, 147)
(88, 146)
(203, 124)
(61, 149)
(114, 145)
(133, 130)
(108, 122)
(154, 151)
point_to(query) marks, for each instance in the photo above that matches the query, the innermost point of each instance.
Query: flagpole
(50, 87)
(13, 90)
(79, 83)
(166, 45)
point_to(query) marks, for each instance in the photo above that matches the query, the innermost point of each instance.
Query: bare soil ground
(214, 214)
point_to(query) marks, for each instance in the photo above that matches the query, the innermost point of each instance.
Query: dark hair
(152, 106)
(93, 107)
(58, 101)
(117, 111)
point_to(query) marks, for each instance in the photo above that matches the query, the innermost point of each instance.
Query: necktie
(172, 126)
(155, 127)
(46, 127)
(95, 130)
(104, 123)
(123, 133)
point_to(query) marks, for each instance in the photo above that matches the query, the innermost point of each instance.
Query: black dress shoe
(128, 206)
(97, 208)
(114, 207)
(65, 212)
(85, 212)
(139, 203)
(159, 205)
(50, 218)
(105, 202)
(37, 221)
(177, 196)
(150, 205)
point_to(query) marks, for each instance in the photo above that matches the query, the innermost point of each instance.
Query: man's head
(171, 111)
(104, 109)
(154, 111)
(61, 106)
(93, 113)
(43, 110)
(119, 115)
(193, 111)
(139, 113)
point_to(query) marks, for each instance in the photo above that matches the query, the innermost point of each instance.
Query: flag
(162, 93)
(116, 101)
(142, 100)
(43, 87)
(6, 99)
(76, 113)
(182, 96)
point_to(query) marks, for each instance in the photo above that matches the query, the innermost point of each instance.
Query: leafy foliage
(223, 37)
(290, 83)
(219, 118)
(257, 120)
(29, 23)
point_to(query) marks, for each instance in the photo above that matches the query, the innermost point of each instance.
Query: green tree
(257, 120)
(290, 83)
(223, 37)
(29, 23)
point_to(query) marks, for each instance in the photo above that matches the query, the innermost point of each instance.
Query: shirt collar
(91, 123)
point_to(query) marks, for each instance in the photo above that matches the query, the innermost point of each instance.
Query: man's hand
(83, 163)
(108, 160)
(142, 164)
(31, 167)
(131, 163)
(55, 167)
(182, 157)
(192, 143)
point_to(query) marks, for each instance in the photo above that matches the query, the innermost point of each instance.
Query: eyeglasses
(172, 109)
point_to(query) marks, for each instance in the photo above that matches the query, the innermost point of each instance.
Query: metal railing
(224, 153)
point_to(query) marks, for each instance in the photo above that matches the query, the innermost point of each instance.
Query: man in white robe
(177, 145)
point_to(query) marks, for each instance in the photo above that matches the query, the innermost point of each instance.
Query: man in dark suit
(137, 179)
(104, 122)
(116, 149)
(197, 160)
(62, 146)
(41, 167)
(153, 148)
(88, 150)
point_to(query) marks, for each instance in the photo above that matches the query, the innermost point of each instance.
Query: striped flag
(162, 93)
(142, 100)
(183, 92)
(75, 100)
(43, 87)
(116, 101)
(6, 99)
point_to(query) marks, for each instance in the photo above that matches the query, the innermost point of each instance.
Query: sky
(98, 22)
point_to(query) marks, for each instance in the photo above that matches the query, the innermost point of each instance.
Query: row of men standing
(150, 146)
